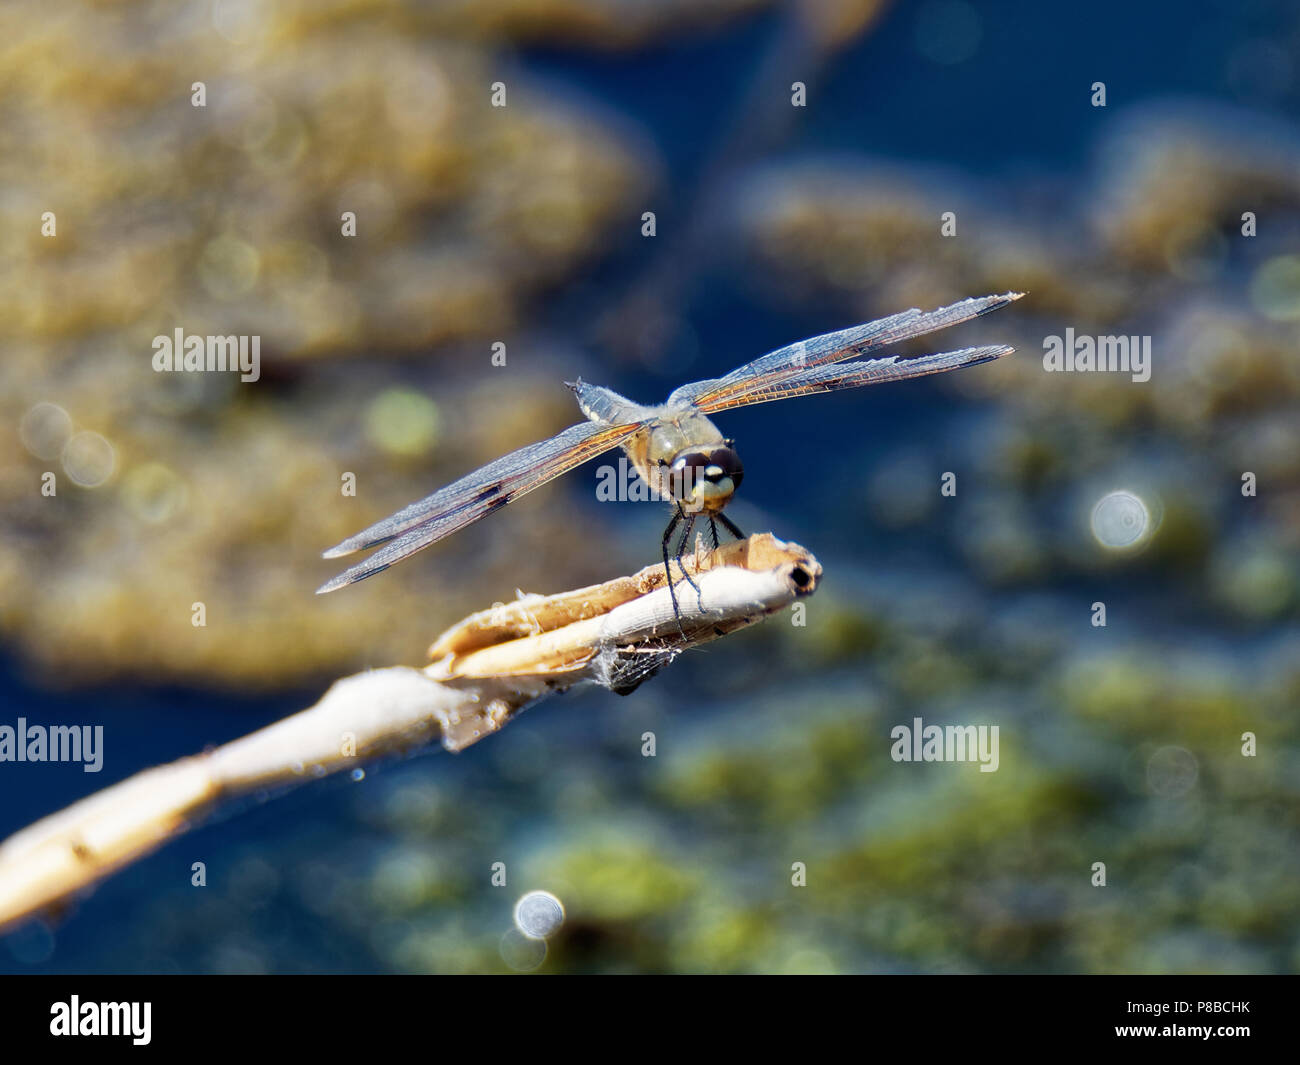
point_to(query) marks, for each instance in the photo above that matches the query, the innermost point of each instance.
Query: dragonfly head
(705, 478)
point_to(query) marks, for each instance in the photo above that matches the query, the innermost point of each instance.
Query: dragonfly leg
(681, 550)
(731, 526)
(713, 528)
(668, 573)
(688, 526)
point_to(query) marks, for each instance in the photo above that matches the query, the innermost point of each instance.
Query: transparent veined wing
(804, 355)
(474, 496)
(838, 376)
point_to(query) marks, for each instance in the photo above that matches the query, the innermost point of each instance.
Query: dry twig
(484, 671)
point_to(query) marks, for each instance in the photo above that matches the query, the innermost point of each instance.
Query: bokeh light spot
(154, 493)
(1172, 772)
(1120, 519)
(229, 267)
(522, 953)
(402, 422)
(45, 430)
(1275, 288)
(539, 914)
(89, 459)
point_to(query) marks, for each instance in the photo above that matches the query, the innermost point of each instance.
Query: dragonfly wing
(804, 355)
(474, 496)
(834, 377)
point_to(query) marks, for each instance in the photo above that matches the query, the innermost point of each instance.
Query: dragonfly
(675, 448)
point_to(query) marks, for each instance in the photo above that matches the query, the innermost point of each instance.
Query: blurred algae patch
(224, 220)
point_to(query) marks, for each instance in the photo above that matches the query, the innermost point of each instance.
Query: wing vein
(472, 497)
(804, 355)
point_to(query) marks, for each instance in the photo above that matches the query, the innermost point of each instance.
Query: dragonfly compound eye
(705, 477)
(726, 459)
